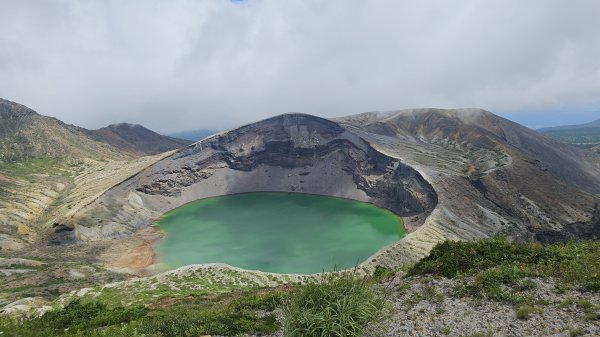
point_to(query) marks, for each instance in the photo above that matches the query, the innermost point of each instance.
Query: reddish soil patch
(5, 179)
(138, 254)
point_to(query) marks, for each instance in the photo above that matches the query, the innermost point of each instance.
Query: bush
(76, 316)
(231, 315)
(223, 321)
(340, 304)
(498, 261)
(524, 311)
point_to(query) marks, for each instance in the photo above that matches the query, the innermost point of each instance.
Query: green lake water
(276, 232)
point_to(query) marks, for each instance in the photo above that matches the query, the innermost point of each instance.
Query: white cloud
(186, 64)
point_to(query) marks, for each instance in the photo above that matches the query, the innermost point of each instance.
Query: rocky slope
(426, 307)
(49, 169)
(25, 134)
(452, 174)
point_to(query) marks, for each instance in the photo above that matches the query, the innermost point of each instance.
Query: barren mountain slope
(25, 134)
(491, 175)
(48, 169)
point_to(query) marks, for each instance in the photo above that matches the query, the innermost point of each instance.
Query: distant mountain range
(594, 124)
(193, 135)
(26, 134)
(585, 135)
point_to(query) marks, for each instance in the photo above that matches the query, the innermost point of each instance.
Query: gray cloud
(184, 64)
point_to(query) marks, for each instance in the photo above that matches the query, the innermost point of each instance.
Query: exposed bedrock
(290, 153)
(526, 187)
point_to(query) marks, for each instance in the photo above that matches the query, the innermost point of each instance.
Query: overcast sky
(185, 64)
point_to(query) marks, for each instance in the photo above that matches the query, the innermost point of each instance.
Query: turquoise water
(276, 232)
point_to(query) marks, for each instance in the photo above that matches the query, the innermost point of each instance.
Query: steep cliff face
(293, 153)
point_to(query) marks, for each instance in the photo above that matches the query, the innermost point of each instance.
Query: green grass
(497, 262)
(337, 305)
(74, 318)
(41, 165)
(584, 137)
(576, 332)
(229, 315)
(524, 311)
(481, 334)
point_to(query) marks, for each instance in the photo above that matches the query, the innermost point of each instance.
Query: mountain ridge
(136, 139)
(193, 135)
(585, 135)
(26, 134)
(592, 124)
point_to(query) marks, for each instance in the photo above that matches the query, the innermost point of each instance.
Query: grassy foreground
(340, 304)
(490, 264)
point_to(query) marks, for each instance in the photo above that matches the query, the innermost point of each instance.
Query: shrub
(498, 261)
(524, 311)
(231, 315)
(76, 316)
(340, 304)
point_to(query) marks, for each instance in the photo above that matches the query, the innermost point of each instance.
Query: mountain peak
(126, 126)
(136, 139)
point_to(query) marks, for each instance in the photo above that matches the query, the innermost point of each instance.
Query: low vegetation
(229, 315)
(41, 165)
(338, 305)
(582, 137)
(497, 269)
(523, 312)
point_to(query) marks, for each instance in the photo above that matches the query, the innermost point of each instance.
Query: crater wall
(290, 153)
